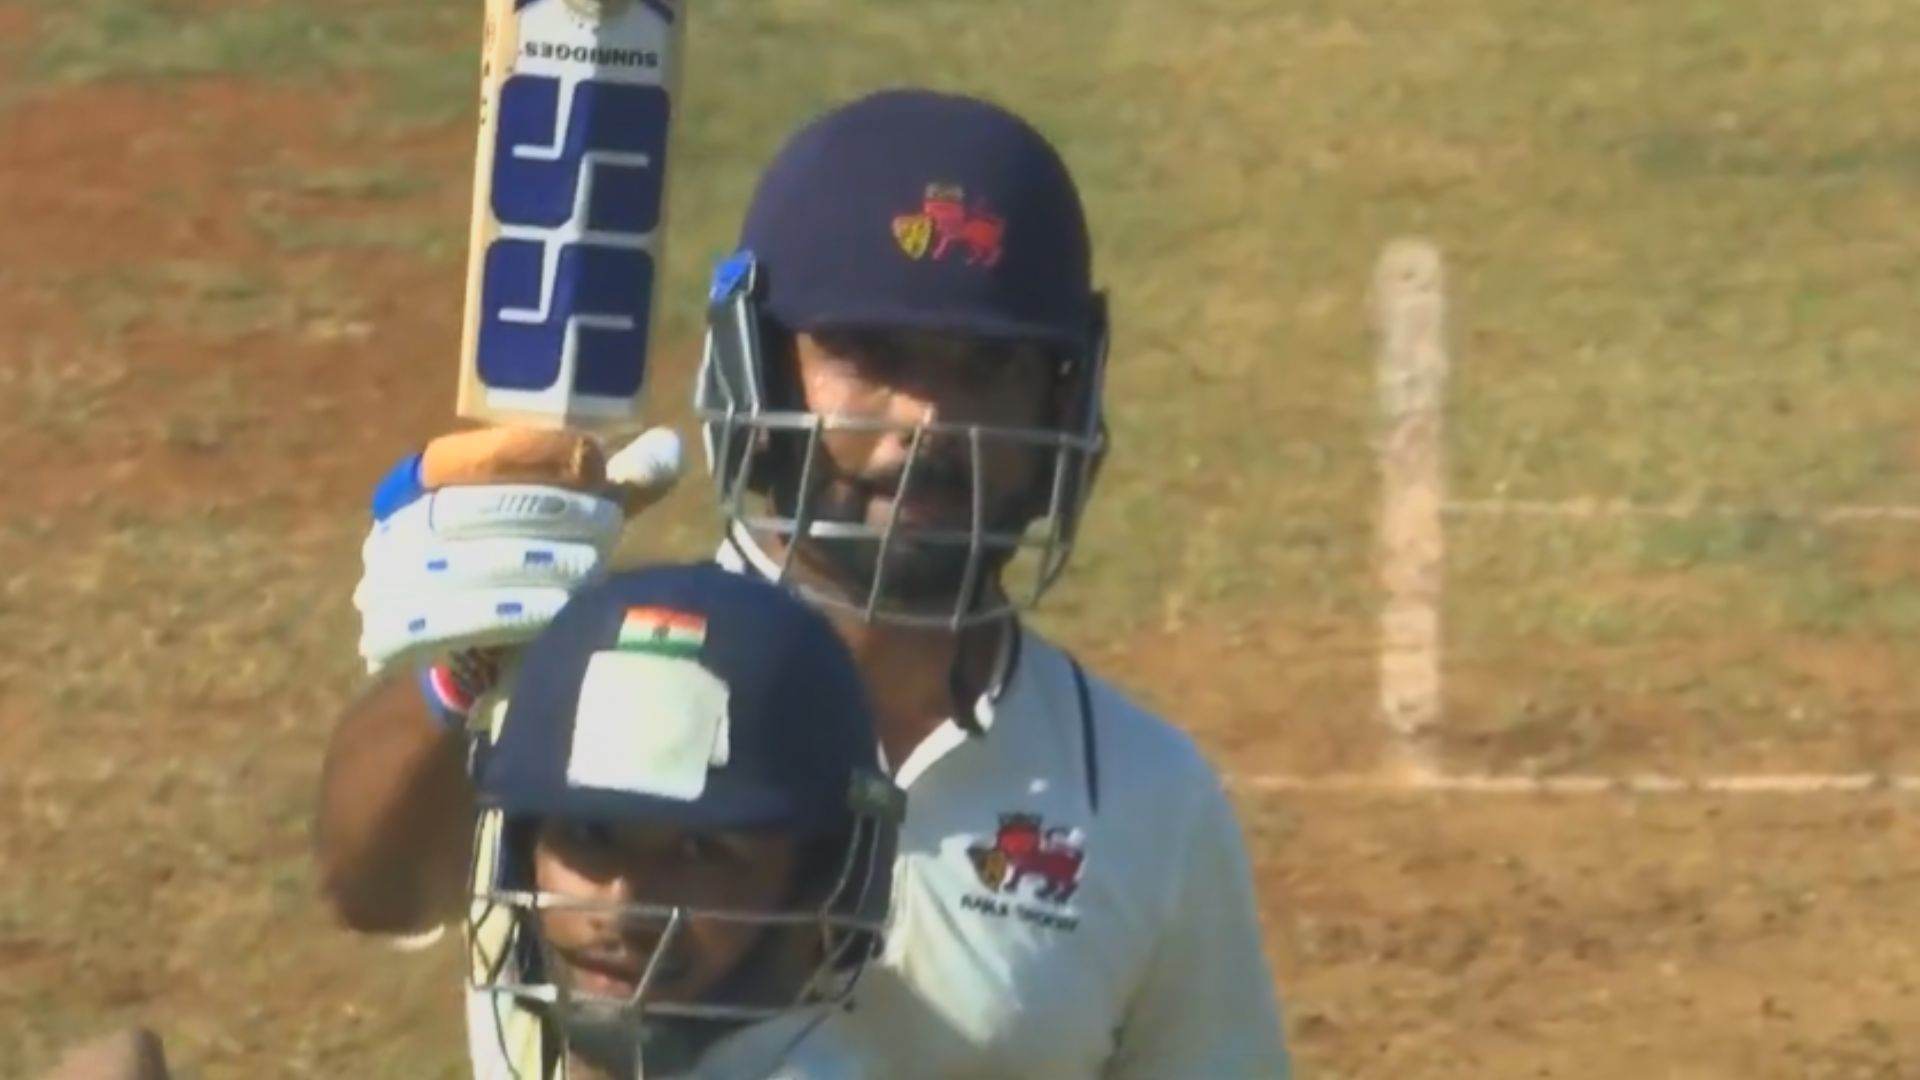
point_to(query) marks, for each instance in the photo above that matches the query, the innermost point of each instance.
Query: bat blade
(569, 211)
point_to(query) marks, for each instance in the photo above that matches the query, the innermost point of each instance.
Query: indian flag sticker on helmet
(663, 631)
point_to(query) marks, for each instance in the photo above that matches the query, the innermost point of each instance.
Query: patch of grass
(1677, 248)
(295, 233)
(372, 206)
(1690, 542)
(425, 56)
(1626, 643)
(218, 300)
(55, 392)
(1831, 599)
(167, 682)
(242, 605)
(371, 182)
(91, 40)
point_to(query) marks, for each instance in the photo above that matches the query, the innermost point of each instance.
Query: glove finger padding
(468, 565)
(402, 630)
(479, 539)
(524, 511)
(445, 570)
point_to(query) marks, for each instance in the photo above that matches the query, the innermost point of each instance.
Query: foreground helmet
(681, 697)
(909, 210)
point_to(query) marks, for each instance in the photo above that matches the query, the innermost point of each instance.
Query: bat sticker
(569, 206)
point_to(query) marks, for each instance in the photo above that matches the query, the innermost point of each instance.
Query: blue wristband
(399, 487)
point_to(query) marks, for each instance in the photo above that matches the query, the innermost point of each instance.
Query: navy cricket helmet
(686, 700)
(908, 210)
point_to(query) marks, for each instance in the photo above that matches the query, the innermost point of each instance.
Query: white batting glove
(456, 575)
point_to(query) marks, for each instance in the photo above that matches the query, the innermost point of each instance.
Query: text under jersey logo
(577, 178)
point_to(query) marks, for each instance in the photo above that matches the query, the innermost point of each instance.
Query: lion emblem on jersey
(1023, 846)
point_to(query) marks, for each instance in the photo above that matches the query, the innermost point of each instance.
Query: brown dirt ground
(1432, 936)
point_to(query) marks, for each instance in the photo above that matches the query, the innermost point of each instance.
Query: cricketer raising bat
(569, 209)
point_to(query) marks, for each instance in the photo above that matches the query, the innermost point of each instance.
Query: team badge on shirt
(1024, 859)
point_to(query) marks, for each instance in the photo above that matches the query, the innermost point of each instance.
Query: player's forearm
(393, 827)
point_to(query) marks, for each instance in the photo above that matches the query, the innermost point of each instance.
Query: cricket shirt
(1072, 899)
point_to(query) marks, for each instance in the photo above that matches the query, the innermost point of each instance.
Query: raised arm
(395, 816)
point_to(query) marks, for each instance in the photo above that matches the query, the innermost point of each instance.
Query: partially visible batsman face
(906, 380)
(604, 951)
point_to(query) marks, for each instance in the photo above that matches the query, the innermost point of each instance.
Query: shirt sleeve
(1206, 1005)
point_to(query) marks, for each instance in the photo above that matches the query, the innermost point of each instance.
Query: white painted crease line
(1597, 508)
(1632, 784)
(1409, 315)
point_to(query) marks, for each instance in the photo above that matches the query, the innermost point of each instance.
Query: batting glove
(479, 539)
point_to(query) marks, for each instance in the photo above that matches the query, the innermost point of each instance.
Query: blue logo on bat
(602, 177)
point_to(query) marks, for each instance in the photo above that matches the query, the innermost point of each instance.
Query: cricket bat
(564, 254)
(569, 210)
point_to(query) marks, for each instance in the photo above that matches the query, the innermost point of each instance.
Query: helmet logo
(946, 224)
(913, 232)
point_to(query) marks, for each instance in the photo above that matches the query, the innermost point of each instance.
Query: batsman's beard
(908, 565)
